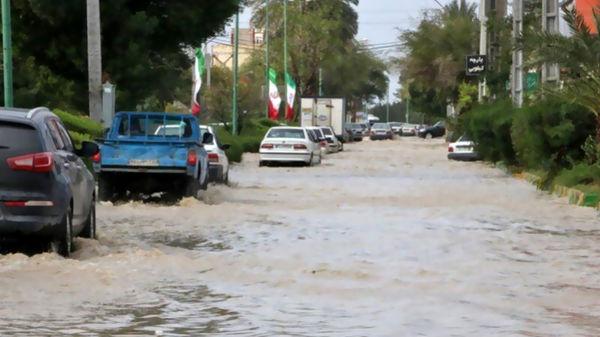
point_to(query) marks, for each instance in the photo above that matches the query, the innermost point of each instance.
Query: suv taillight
(37, 162)
(192, 159)
(213, 157)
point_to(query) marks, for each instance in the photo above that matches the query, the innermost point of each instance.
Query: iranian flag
(198, 71)
(274, 99)
(291, 95)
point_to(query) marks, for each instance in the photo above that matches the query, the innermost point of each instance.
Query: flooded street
(384, 239)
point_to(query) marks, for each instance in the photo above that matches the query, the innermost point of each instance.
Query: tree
(578, 57)
(321, 35)
(433, 65)
(143, 49)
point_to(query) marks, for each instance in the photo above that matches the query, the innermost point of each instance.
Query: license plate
(143, 162)
(284, 146)
(464, 149)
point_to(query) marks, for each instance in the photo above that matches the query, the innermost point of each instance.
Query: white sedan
(218, 170)
(290, 144)
(463, 149)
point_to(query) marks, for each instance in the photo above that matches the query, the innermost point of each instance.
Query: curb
(575, 196)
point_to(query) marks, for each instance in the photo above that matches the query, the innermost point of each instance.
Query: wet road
(385, 239)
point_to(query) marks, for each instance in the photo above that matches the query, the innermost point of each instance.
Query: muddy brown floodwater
(385, 239)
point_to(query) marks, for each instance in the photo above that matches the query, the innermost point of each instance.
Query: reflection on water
(386, 239)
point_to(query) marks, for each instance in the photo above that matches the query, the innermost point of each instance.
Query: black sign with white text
(476, 64)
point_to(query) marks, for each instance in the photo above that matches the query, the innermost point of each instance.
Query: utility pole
(235, 73)
(387, 107)
(517, 55)
(94, 46)
(320, 82)
(207, 64)
(267, 60)
(285, 70)
(550, 24)
(7, 53)
(407, 107)
(482, 44)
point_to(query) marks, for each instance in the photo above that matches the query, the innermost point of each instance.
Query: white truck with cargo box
(324, 111)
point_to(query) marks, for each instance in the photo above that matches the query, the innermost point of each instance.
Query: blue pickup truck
(152, 152)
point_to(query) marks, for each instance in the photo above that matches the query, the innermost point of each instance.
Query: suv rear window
(19, 138)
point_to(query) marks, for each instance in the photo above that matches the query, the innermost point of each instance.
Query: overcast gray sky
(380, 20)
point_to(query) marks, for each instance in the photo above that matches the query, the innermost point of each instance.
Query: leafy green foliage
(490, 126)
(249, 139)
(433, 65)
(80, 125)
(143, 49)
(580, 174)
(549, 134)
(592, 151)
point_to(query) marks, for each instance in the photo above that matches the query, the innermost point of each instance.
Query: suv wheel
(89, 226)
(63, 243)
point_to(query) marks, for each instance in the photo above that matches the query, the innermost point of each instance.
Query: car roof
(287, 127)
(20, 114)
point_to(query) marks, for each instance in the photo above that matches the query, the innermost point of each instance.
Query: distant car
(396, 127)
(463, 149)
(381, 131)
(409, 129)
(46, 191)
(333, 144)
(436, 130)
(218, 169)
(357, 131)
(290, 144)
(347, 135)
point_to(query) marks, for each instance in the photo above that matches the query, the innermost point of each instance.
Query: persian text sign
(476, 64)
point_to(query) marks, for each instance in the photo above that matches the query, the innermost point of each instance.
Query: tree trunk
(598, 128)
(94, 60)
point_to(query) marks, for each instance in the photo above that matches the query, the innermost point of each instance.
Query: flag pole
(235, 73)
(285, 50)
(267, 61)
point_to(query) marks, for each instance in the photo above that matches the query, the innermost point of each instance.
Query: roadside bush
(549, 134)
(580, 174)
(80, 124)
(592, 151)
(489, 125)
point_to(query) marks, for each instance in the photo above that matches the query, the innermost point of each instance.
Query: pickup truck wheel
(105, 189)
(89, 226)
(193, 188)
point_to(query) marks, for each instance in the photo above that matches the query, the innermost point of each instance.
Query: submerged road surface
(385, 239)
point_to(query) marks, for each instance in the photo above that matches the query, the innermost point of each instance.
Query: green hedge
(80, 124)
(249, 139)
(489, 125)
(549, 134)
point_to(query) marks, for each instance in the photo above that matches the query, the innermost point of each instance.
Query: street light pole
(482, 44)
(267, 61)
(235, 74)
(7, 53)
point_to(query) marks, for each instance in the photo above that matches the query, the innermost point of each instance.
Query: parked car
(356, 130)
(333, 144)
(321, 138)
(218, 169)
(46, 191)
(463, 149)
(290, 144)
(149, 152)
(381, 131)
(436, 130)
(409, 129)
(396, 127)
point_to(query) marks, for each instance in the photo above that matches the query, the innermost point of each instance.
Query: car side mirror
(225, 147)
(88, 149)
(207, 138)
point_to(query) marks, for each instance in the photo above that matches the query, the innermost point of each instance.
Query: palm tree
(579, 57)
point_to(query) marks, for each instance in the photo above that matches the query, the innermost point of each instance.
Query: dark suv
(46, 191)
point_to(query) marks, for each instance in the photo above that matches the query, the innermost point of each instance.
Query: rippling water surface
(385, 239)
